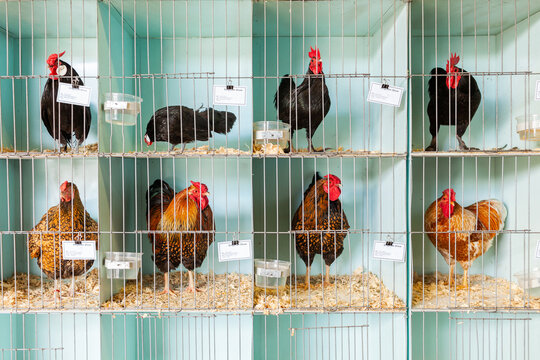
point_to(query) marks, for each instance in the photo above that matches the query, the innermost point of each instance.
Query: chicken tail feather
(158, 194)
(491, 213)
(218, 121)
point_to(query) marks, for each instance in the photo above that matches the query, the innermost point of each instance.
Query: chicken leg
(191, 287)
(166, 289)
(305, 285)
(327, 277)
(465, 284)
(451, 275)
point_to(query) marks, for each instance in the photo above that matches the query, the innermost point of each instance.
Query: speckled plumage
(170, 212)
(75, 224)
(460, 237)
(318, 213)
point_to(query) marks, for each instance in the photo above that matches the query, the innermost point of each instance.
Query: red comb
(333, 178)
(53, 58)
(314, 53)
(450, 193)
(202, 188)
(454, 60)
(64, 186)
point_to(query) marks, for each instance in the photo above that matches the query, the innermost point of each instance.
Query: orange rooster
(463, 234)
(68, 221)
(184, 226)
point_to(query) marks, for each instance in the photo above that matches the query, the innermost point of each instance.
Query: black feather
(63, 121)
(180, 124)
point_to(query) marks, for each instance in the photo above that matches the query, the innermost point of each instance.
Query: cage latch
(230, 86)
(389, 243)
(75, 83)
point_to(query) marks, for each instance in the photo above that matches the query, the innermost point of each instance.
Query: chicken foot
(166, 289)
(191, 287)
(326, 281)
(433, 145)
(181, 149)
(463, 146)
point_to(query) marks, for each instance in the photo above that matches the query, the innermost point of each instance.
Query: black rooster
(305, 106)
(452, 102)
(181, 125)
(63, 120)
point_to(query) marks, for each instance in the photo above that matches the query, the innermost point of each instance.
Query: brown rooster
(463, 234)
(319, 224)
(74, 224)
(183, 225)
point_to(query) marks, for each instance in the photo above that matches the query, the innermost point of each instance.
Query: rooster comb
(454, 60)
(64, 186)
(314, 53)
(53, 58)
(202, 188)
(450, 193)
(333, 178)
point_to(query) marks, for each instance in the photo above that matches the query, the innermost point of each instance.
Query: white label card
(117, 265)
(229, 252)
(538, 249)
(67, 94)
(86, 250)
(269, 273)
(537, 91)
(235, 96)
(393, 252)
(390, 95)
(268, 134)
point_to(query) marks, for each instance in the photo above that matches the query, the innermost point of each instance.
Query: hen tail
(219, 121)
(158, 198)
(286, 86)
(490, 213)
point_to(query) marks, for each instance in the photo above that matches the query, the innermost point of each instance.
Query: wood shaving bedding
(38, 293)
(202, 150)
(364, 291)
(219, 292)
(268, 148)
(485, 292)
(86, 149)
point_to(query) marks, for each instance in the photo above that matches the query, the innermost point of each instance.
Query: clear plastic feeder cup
(528, 127)
(271, 274)
(123, 265)
(121, 109)
(271, 132)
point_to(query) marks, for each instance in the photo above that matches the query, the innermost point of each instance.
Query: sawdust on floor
(360, 291)
(485, 292)
(219, 292)
(83, 150)
(201, 150)
(38, 293)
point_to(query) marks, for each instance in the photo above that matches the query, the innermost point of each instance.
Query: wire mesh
(235, 168)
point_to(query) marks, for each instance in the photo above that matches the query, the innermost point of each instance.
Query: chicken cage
(247, 179)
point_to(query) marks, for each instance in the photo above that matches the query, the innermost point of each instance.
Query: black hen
(305, 106)
(182, 125)
(453, 100)
(63, 121)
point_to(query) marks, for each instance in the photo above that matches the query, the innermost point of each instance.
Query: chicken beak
(452, 202)
(339, 186)
(206, 194)
(147, 140)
